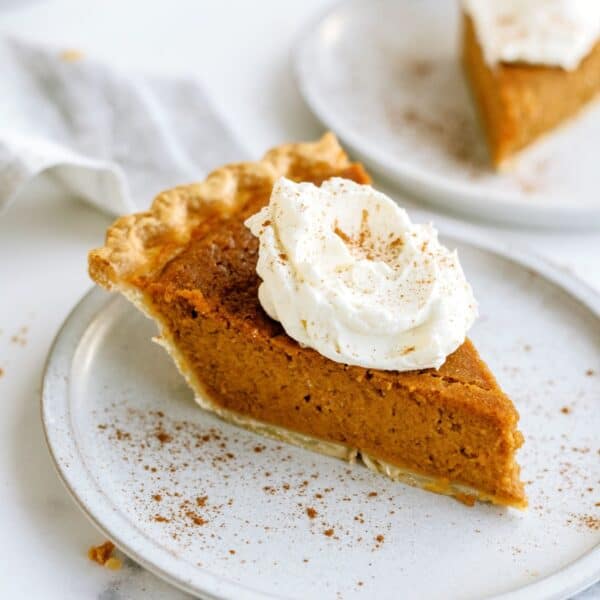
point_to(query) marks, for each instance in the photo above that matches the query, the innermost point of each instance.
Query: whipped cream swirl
(346, 273)
(543, 32)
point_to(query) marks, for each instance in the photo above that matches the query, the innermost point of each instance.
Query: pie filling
(451, 430)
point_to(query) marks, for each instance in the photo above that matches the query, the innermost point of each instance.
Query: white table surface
(241, 50)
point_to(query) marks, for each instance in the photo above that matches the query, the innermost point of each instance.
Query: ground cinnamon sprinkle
(122, 435)
(372, 494)
(590, 522)
(160, 519)
(311, 512)
(565, 410)
(103, 555)
(156, 497)
(201, 500)
(163, 437)
(379, 538)
(195, 518)
(328, 532)
(19, 338)
(590, 372)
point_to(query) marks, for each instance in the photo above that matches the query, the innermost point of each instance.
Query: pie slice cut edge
(189, 264)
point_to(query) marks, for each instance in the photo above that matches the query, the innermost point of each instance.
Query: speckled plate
(224, 513)
(385, 76)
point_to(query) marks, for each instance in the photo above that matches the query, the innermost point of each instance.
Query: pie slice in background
(519, 102)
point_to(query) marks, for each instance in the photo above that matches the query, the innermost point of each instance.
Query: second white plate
(385, 75)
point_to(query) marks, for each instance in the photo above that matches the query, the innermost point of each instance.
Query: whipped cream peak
(542, 32)
(346, 273)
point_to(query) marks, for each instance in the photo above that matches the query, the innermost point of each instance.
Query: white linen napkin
(112, 138)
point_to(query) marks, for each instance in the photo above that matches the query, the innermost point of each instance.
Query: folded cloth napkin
(112, 138)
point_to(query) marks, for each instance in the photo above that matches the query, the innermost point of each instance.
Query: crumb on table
(71, 55)
(103, 556)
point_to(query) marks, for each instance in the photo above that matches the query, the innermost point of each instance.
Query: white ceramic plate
(385, 76)
(137, 454)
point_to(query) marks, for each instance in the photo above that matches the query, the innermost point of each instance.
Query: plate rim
(572, 578)
(426, 186)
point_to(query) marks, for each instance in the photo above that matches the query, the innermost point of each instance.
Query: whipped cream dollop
(346, 273)
(546, 32)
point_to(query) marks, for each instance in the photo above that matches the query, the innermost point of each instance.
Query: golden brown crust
(140, 244)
